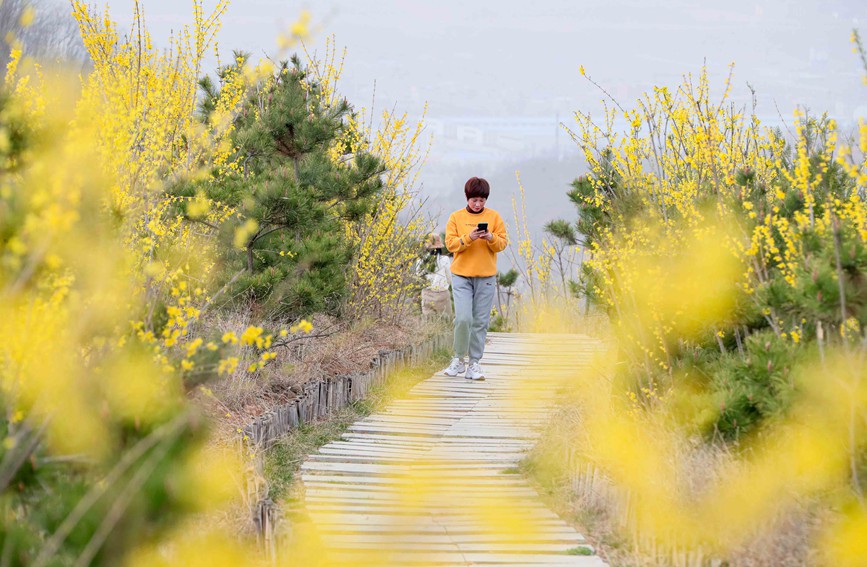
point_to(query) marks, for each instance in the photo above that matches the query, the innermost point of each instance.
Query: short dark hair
(477, 187)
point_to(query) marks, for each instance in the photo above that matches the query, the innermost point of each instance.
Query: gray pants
(473, 300)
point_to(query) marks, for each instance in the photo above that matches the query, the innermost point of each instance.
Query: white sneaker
(474, 372)
(456, 367)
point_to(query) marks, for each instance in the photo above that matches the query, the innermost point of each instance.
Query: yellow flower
(304, 326)
(228, 365)
(194, 346)
(27, 17)
(251, 335)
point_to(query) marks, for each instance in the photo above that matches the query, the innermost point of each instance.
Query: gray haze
(500, 75)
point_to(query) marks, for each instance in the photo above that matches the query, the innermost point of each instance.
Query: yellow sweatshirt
(475, 258)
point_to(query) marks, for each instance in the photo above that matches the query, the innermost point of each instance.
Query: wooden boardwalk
(432, 480)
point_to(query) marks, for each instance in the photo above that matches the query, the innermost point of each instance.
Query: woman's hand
(475, 234)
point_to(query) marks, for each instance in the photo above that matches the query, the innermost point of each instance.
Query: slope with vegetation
(731, 260)
(176, 249)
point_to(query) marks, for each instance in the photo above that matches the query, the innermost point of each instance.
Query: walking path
(432, 480)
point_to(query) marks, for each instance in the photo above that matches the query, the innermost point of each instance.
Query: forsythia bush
(99, 446)
(132, 200)
(719, 230)
(141, 103)
(388, 245)
(387, 237)
(732, 261)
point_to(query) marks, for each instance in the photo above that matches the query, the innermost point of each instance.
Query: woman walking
(475, 235)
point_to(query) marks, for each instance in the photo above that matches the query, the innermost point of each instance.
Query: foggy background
(500, 76)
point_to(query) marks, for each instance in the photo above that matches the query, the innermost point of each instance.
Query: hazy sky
(484, 57)
(499, 61)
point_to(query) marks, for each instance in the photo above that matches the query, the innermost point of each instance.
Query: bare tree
(52, 36)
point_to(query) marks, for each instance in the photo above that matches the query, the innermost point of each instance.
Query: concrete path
(433, 480)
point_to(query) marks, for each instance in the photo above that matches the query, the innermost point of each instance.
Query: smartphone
(483, 226)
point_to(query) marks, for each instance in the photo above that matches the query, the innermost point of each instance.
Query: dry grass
(333, 348)
(556, 314)
(561, 465)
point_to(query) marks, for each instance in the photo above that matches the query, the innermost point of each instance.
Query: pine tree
(300, 183)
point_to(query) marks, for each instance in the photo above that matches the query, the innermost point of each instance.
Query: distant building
(470, 139)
